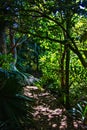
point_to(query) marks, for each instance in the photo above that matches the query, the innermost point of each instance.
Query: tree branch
(17, 44)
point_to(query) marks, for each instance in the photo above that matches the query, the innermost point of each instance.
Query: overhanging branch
(63, 42)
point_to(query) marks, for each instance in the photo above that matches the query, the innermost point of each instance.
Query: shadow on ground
(49, 114)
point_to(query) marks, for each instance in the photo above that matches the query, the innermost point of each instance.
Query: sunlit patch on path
(49, 114)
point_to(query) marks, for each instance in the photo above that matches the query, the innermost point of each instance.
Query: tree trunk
(13, 47)
(68, 16)
(62, 72)
(65, 62)
(67, 104)
(3, 48)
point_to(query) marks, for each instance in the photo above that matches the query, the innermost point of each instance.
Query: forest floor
(49, 114)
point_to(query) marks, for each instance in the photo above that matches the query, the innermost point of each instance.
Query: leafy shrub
(15, 107)
(80, 111)
(49, 66)
(78, 80)
(5, 61)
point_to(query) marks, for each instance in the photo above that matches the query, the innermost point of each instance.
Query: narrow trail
(49, 114)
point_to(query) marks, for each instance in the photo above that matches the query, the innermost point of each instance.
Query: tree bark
(3, 47)
(62, 72)
(68, 28)
(67, 104)
(12, 44)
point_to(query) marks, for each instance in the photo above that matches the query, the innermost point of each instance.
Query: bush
(15, 107)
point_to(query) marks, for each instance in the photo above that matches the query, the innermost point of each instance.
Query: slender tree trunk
(65, 62)
(12, 44)
(68, 17)
(62, 66)
(62, 69)
(67, 77)
(3, 47)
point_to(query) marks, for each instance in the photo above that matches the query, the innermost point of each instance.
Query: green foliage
(60, 26)
(49, 64)
(80, 111)
(78, 79)
(15, 107)
(28, 56)
(5, 61)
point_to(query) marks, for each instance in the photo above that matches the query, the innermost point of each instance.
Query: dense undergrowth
(15, 107)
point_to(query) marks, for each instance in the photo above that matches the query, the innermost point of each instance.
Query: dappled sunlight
(49, 114)
(75, 124)
(63, 123)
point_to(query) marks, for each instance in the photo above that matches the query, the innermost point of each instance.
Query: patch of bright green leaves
(5, 61)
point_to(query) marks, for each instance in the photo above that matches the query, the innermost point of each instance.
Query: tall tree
(62, 16)
(10, 11)
(51, 20)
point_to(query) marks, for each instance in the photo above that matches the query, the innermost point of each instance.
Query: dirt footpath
(49, 114)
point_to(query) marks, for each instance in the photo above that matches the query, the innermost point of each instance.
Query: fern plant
(15, 107)
(80, 111)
